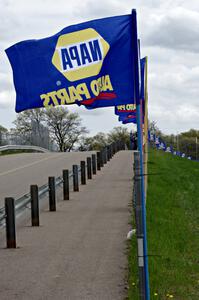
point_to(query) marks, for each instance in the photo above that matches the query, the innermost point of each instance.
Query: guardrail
(14, 208)
(22, 202)
(23, 147)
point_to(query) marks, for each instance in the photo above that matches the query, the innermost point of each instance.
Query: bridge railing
(22, 147)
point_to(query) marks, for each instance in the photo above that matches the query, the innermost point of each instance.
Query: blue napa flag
(86, 64)
(126, 110)
(169, 149)
(157, 141)
(149, 135)
(131, 118)
(162, 146)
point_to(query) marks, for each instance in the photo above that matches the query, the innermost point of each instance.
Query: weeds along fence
(14, 208)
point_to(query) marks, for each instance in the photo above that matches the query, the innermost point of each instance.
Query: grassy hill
(173, 229)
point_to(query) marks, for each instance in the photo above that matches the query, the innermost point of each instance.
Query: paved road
(79, 252)
(18, 172)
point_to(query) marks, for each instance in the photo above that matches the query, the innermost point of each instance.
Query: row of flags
(127, 112)
(94, 64)
(161, 145)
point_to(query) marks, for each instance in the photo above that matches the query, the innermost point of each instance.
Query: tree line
(186, 142)
(64, 129)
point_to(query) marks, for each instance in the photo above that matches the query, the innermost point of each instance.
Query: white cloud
(176, 29)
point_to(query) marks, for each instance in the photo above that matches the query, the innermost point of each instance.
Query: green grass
(172, 228)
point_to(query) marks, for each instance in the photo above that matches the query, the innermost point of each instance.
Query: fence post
(34, 205)
(139, 226)
(66, 184)
(10, 223)
(94, 170)
(83, 172)
(89, 169)
(52, 194)
(98, 161)
(75, 179)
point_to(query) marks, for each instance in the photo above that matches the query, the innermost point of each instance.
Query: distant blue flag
(131, 118)
(149, 135)
(162, 146)
(157, 141)
(126, 109)
(90, 63)
(169, 149)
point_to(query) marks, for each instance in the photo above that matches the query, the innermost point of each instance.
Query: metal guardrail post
(108, 153)
(111, 150)
(114, 148)
(65, 174)
(101, 159)
(139, 226)
(52, 194)
(34, 205)
(98, 161)
(117, 146)
(83, 172)
(105, 155)
(94, 168)
(89, 168)
(10, 223)
(75, 179)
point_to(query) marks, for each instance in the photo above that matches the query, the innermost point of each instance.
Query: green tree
(188, 142)
(119, 134)
(97, 142)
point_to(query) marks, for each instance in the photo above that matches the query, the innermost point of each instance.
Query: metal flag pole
(136, 71)
(146, 124)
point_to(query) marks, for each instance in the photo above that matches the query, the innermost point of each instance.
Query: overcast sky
(169, 32)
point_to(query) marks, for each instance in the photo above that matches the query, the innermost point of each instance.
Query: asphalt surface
(79, 251)
(19, 171)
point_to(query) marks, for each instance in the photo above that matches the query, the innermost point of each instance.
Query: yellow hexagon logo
(80, 54)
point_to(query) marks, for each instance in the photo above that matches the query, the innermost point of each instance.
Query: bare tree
(29, 127)
(65, 127)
